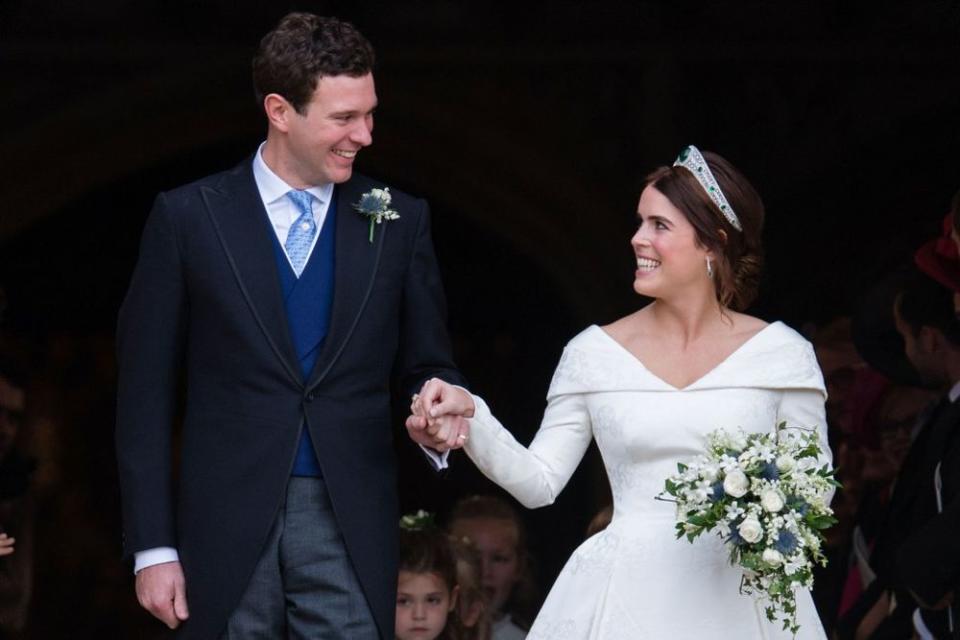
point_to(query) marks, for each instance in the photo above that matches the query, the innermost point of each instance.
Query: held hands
(438, 416)
(161, 590)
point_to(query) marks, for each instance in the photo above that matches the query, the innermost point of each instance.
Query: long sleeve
(805, 408)
(929, 560)
(533, 475)
(150, 338)
(425, 350)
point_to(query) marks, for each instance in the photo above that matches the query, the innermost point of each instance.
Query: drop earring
(709, 268)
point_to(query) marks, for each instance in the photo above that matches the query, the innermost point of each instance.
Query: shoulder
(786, 358)
(746, 324)
(779, 334)
(591, 361)
(624, 329)
(189, 195)
(590, 339)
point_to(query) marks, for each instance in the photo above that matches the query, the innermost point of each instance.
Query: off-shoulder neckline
(732, 356)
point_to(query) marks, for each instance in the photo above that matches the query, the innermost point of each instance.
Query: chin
(341, 175)
(644, 289)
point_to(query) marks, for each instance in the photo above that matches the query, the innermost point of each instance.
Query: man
(290, 308)
(915, 557)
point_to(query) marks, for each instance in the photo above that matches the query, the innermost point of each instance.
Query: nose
(486, 572)
(639, 239)
(419, 611)
(362, 133)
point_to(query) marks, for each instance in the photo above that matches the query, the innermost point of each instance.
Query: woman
(649, 387)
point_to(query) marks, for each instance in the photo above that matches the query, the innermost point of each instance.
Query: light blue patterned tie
(302, 232)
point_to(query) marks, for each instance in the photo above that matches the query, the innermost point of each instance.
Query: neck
(690, 318)
(276, 156)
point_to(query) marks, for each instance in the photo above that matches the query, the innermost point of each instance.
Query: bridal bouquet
(766, 496)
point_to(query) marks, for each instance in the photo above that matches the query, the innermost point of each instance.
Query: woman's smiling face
(669, 258)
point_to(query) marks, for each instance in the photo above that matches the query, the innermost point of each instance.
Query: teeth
(647, 263)
(345, 154)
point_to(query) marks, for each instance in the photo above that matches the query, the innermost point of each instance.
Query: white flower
(710, 472)
(785, 462)
(375, 205)
(702, 491)
(750, 530)
(382, 194)
(793, 564)
(736, 483)
(733, 511)
(772, 557)
(771, 500)
(739, 440)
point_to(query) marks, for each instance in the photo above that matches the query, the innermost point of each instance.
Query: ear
(278, 111)
(930, 339)
(454, 593)
(723, 236)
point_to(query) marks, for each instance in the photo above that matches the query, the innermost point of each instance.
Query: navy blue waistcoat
(307, 301)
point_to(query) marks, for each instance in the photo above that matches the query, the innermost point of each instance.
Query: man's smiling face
(323, 141)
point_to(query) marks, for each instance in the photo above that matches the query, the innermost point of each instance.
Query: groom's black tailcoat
(205, 300)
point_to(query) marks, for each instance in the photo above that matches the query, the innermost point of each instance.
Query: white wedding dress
(635, 580)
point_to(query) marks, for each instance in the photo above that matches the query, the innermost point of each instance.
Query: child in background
(473, 615)
(497, 531)
(427, 582)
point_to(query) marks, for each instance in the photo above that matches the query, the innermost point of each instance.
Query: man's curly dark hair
(304, 48)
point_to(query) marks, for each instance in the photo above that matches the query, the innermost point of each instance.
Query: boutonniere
(375, 205)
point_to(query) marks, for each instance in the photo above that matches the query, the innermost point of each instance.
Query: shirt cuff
(437, 459)
(150, 557)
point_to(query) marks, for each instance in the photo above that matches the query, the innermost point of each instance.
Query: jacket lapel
(356, 265)
(243, 228)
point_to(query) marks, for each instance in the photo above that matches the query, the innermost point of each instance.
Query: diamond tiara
(692, 160)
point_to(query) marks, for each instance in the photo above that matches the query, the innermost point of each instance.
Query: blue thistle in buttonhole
(375, 205)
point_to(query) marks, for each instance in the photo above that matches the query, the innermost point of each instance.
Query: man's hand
(446, 433)
(6, 544)
(438, 416)
(161, 590)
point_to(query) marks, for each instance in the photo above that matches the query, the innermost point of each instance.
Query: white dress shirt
(280, 209)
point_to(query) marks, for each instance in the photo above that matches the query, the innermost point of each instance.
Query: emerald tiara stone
(692, 160)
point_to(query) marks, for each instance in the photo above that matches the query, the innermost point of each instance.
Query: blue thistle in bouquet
(766, 495)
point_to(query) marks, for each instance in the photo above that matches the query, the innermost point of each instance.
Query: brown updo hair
(739, 254)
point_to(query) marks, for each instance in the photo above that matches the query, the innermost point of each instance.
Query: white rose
(736, 483)
(750, 530)
(772, 557)
(786, 462)
(771, 500)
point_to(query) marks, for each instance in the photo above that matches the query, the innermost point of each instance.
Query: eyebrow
(654, 219)
(351, 112)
